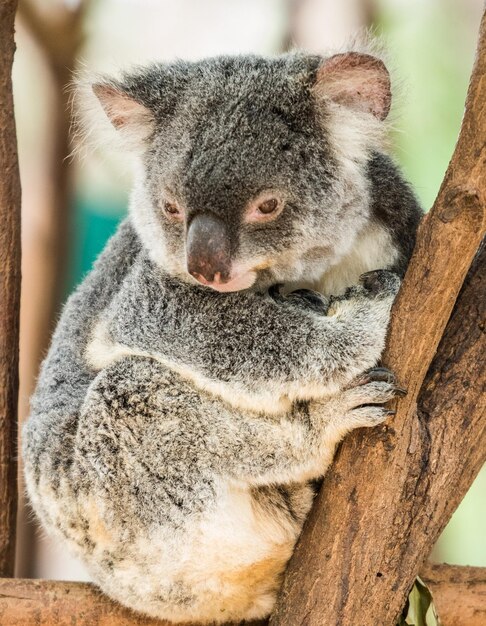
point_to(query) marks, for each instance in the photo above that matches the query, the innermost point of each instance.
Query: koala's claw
(274, 292)
(303, 298)
(376, 374)
(312, 299)
(379, 282)
(400, 391)
(380, 375)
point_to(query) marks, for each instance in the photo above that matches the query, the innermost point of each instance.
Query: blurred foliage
(431, 46)
(463, 541)
(95, 220)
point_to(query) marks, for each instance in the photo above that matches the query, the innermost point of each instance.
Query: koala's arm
(250, 342)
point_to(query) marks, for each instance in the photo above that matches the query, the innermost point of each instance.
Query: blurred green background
(430, 46)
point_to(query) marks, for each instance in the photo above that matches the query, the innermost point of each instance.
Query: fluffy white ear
(356, 80)
(124, 112)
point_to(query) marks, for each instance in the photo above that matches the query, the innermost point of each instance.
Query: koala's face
(243, 183)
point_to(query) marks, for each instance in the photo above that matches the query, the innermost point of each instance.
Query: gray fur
(174, 430)
(263, 344)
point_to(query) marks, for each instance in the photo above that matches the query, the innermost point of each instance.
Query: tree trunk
(9, 292)
(390, 492)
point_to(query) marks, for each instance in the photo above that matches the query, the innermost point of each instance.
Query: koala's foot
(360, 403)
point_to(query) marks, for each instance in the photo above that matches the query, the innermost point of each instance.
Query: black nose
(208, 248)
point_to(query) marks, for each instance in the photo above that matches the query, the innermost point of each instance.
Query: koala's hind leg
(152, 452)
(161, 426)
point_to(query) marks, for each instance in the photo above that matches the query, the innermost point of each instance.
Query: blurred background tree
(70, 207)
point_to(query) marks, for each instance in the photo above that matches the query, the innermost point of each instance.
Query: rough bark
(25, 602)
(390, 492)
(459, 594)
(9, 292)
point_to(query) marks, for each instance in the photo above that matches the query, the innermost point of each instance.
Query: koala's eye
(172, 211)
(264, 209)
(268, 206)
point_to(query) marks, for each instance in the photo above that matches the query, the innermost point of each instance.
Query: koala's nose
(208, 249)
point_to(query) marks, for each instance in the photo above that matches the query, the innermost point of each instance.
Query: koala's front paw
(302, 298)
(380, 283)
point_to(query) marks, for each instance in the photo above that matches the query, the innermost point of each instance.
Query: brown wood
(25, 602)
(459, 593)
(9, 292)
(391, 491)
(58, 30)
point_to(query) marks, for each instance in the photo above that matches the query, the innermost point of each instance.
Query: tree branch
(26, 602)
(58, 30)
(9, 292)
(390, 492)
(459, 594)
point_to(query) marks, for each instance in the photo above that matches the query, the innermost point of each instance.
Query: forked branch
(390, 492)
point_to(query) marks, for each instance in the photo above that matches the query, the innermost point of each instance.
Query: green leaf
(419, 609)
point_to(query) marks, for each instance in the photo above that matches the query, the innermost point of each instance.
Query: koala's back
(394, 206)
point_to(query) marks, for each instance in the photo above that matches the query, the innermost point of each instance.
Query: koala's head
(252, 170)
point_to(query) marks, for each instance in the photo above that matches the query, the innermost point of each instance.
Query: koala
(228, 337)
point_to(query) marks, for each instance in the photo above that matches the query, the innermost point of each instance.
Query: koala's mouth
(239, 282)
